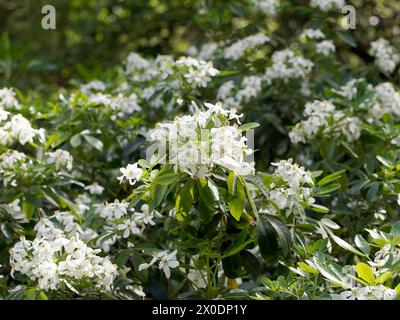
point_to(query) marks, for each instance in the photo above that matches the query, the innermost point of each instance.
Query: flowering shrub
(261, 162)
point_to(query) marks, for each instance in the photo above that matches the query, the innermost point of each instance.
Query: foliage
(158, 173)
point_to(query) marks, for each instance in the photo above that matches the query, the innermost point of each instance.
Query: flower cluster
(287, 65)
(267, 7)
(17, 128)
(387, 100)
(14, 209)
(114, 210)
(197, 72)
(322, 116)
(312, 34)
(236, 50)
(327, 5)
(56, 258)
(325, 47)
(199, 142)
(119, 104)
(367, 293)
(139, 68)
(293, 186)
(250, 88)
(61, 158)
(123, 222)
(93, 86)
(8, 99)
(386, 56)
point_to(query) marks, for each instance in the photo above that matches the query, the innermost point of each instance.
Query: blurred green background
(95, 33)
(98, 34)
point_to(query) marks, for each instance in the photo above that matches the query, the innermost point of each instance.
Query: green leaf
(384, 277)
(28, 209)
(372, 191)
(362, 244)
(94, 142)
(231, 181)
(346, 37)
(319, 191)
(251, 263)
(248, 126)
(214, 190)
(340, 242)
(330, 178)
(358, 186)
(51, 139)
(267, 241)
(206, 203)
(318, 208)
(123, 257)
(397, 288)
(330, 271)
(144, 163)
(42, 296)
(167, 178)
(232, 266)
(75, 141)
(184, 200)
(365, 272)
(158, 193)
(283, 235)
(238, 244)
(137, 260)
(236, 202)
(305, 267)
(385, 162)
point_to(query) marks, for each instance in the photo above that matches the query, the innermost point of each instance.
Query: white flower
(292, 173)
(61, 158)
(313, 34)
(268, 7)
(8, 99)
(114, 210)
(3, 114)
(198, 278)
(383, 293)
(146, 216)
(15, 211)
(236, 50)
(325, 47)
(349, 90)
(138, 290)
(128, 227)
(250, 88)
(225, 90)
(100, 98)
(166, 262)
(94, 85)
(326, 5)
(197, 72)
(318, 114)
(351, 294)
(388, 100)
(287, 65)
(10, 158)
(386, 56)
(132, 173)
(21, 129)
(95, 188)
(207, 51)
